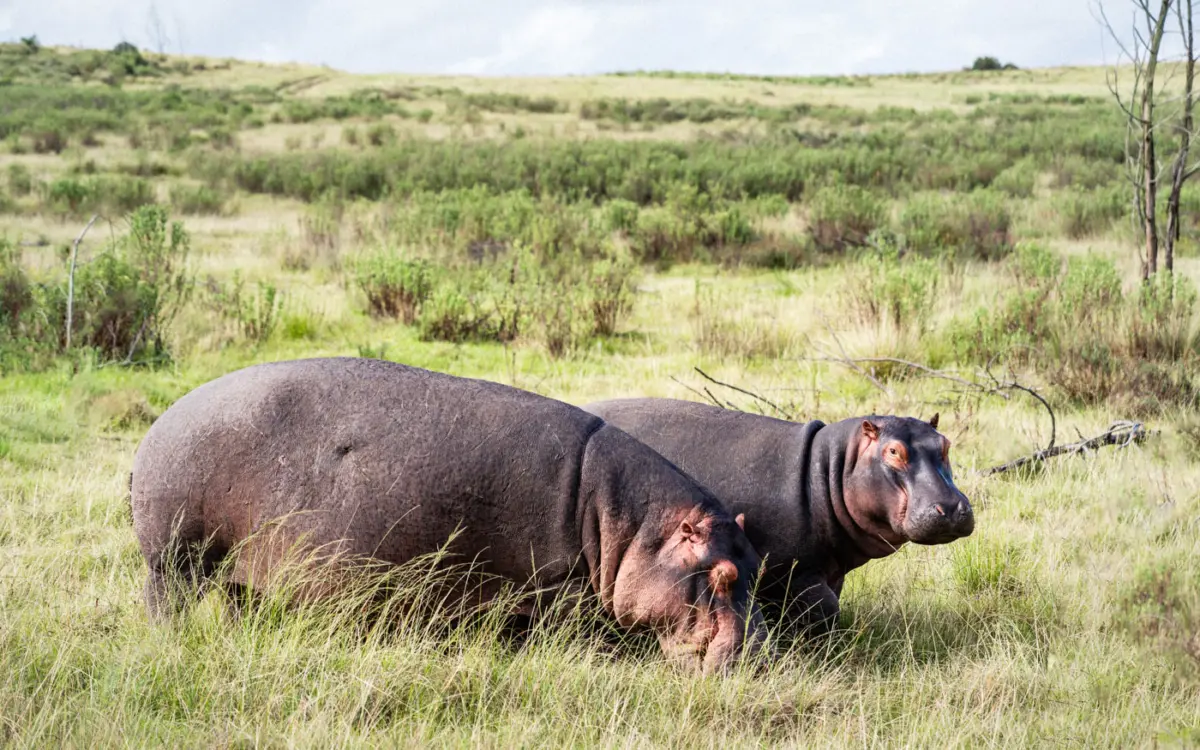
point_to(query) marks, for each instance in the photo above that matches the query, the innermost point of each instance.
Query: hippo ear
(870, 430)
(741, 520)
(688, 531)
(934, 421)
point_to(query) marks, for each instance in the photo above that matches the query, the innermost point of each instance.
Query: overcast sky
(548, 37)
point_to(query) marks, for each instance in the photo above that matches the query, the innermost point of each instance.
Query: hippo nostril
(938, 508)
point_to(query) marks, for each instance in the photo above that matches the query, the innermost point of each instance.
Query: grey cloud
(554, 37)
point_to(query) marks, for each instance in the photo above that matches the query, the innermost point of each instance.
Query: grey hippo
(821, 499)
(384, 462)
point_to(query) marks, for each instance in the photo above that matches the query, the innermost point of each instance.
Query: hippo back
(394, 458)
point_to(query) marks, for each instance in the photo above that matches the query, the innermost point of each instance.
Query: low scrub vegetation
(815, 261)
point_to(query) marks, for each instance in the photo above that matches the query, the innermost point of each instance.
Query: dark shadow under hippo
(820, 499)
(386, 462)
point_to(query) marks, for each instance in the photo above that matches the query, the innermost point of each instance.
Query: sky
(558, 37)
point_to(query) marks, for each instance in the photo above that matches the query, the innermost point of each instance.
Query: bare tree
(1141, 106)
(156, 30)
(1181, 171)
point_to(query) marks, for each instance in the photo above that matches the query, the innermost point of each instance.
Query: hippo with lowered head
(386, 461)
(821, 499)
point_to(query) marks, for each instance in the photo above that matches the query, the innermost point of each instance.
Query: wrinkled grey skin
(820, 500)
(378, 460)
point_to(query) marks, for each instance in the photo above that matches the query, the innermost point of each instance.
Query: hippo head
(691, 583)
(900, 488)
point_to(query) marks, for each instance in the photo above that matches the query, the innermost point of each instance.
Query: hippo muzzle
(937, 511)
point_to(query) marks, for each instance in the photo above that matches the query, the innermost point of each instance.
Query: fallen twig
(849, 361)
(751, 394)
(693, 390)
(1121, 434)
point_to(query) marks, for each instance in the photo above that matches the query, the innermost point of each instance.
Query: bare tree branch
(751, 394)
(1121, 434)
(71, 278)
(847, 360)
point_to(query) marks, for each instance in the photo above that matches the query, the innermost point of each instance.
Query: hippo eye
(896, 456)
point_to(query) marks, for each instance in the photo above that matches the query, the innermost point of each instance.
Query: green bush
(1018, 180)
(1162, 322)
(106, 194)
(16, 292)
(20, 181)
(887, 289)
(1079, 173)
(1087, 213)
(395, 287)
(381, 134)
(977, 225)
(49, 142)
(254, 313)
(450, 315)
(843, 216)
(197, 200)
(609, 290)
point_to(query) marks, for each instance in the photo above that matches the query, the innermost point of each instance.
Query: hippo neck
(829, 466)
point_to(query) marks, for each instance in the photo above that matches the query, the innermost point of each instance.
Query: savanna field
(832, 247)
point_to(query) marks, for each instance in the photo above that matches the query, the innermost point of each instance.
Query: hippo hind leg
(178, 577)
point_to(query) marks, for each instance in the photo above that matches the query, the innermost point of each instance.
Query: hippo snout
(941, 521)
(735, 638)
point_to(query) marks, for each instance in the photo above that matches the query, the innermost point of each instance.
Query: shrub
(562, 322)
(67, 195)
(395, 287)
(197, 200)
(255, 315)
(986, 63)
(450, 315)
(842, 216)
(381, 134)
(1018, 180)
(111, 194)
(16, 291)
(609, 290)
(128, 295)
(1162, 319)
(321, 237)
(1034, 265)
(1078, 172)
(621, 216)
(1089, 213)
(887, 289)
(974, 226)
(20, 181)
(662, 236)
(51, 141)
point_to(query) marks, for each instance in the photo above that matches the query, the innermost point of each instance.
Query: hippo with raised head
(821, 499)
(383, 461)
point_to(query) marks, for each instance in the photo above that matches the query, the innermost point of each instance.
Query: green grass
(639, 226)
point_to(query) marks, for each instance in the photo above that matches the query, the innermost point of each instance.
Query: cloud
(555, 37)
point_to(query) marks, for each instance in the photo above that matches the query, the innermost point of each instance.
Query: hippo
(385, 463)
(822, 499)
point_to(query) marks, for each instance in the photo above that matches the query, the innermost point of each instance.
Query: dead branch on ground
(1121, 434)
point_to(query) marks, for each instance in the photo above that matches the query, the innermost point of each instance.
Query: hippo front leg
(811, 606)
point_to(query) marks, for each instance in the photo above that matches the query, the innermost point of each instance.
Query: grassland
(587, 238)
